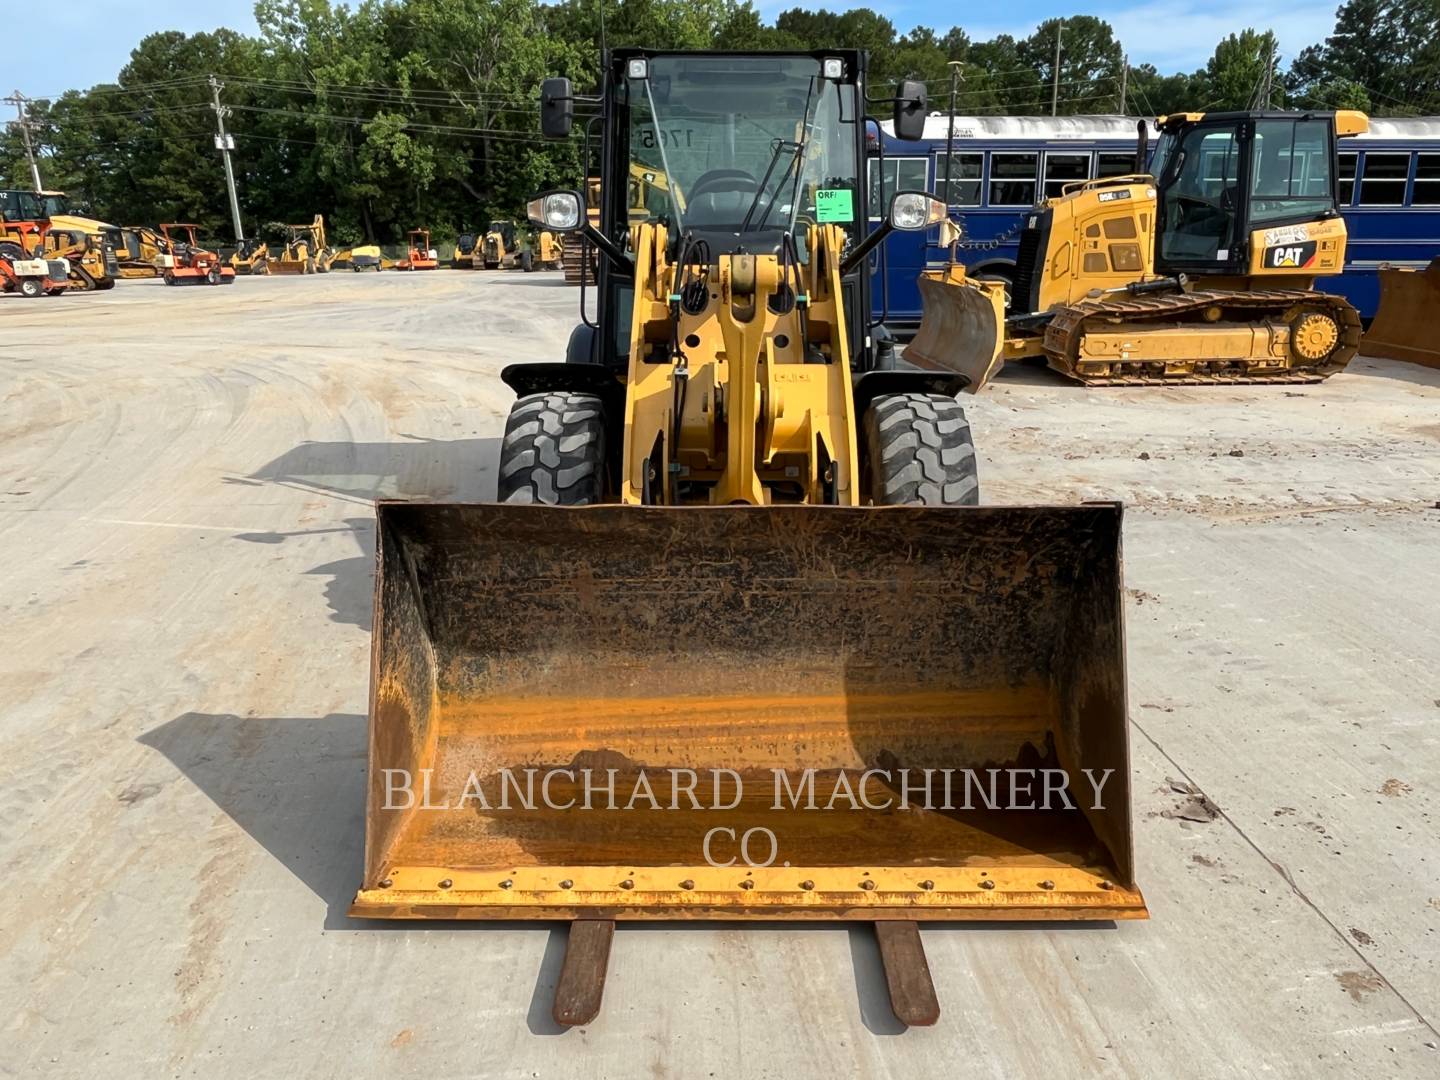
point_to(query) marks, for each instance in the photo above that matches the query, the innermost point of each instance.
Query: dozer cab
(737, 565)
(419, 255)
(185, 262)
(139, 251)
(1202, 271)
(502, 249)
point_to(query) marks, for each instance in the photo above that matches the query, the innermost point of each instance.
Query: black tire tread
(554, 450)
(920, 452)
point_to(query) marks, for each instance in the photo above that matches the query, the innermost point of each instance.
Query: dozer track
(1194, 337)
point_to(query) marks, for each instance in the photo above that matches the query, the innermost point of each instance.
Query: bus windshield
(743, 145)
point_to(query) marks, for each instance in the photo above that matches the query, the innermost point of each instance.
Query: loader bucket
(624, 712)
(961, 326)
(1401, 328)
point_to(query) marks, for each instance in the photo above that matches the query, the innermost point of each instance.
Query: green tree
(1236, 77)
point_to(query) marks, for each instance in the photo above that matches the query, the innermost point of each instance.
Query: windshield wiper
(780, 145)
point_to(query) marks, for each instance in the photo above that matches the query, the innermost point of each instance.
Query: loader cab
(732, 153)
(1222, 176)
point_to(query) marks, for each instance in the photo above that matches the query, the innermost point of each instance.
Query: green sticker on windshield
(834, 204)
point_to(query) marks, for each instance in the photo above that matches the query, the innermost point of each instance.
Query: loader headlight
(832, 67)
(558, 211)
(638, 68)
(913, 210)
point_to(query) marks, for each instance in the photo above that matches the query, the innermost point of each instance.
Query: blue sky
(1171, 34)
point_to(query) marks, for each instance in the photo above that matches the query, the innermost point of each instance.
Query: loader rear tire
(919, 452)
(554, 450)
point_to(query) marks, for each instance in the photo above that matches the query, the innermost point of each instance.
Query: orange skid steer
(738, 586)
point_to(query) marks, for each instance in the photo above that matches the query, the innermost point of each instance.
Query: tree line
(399, 113)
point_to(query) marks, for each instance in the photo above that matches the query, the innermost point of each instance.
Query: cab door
(1201, 199)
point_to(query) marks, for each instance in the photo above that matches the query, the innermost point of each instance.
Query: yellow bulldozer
(737, 584)
(305, 250)
(1202, 271)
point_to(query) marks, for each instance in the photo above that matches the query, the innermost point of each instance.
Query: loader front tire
(919, 452)
(554, 450)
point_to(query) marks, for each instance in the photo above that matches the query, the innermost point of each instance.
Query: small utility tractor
(186, 262)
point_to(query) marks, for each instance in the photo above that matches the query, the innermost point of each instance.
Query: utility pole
(225, 143)
(954, 66)
(1269, 68)
(26, 125)
(1124, 81)
(1055, 84)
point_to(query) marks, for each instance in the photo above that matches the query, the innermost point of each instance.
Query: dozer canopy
(770, 712)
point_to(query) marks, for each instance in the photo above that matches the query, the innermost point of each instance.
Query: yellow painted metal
(758, 423)
(1047, 890)
(832, 687)
(1351, 122)
(1404, 325)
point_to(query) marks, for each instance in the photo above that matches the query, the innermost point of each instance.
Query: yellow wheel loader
(737, 585)
(1203, 272)
(1409, 299)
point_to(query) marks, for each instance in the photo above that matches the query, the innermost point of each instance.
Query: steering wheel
(722, 180)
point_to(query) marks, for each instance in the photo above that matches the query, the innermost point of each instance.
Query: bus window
(1115, 164)
(1012, 179)
(964, 177)
(1382, 180)
(901, 174)
(1347, 177)
(1220, 165)
(1427, 180)
(1292, 170)
(1064, 168)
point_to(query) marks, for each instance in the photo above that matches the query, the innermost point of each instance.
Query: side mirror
(557, 108)
(558, 211)
(911, 104)
(911, 211)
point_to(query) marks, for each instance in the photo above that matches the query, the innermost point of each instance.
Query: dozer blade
(702, 677)
(960, 327)
(1401, 328)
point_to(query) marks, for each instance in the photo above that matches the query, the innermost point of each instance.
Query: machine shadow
(350, 590)
(295, 784)
(419, 469)
(436, 470)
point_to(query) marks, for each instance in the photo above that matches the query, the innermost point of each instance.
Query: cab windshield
(742, 145)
